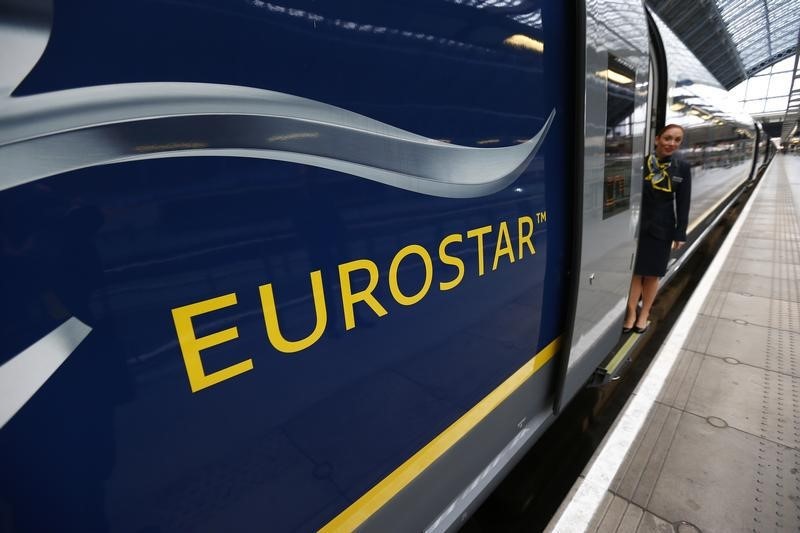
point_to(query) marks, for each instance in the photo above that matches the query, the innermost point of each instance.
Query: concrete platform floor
(719, 450)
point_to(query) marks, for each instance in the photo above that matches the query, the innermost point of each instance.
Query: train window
(619, 137)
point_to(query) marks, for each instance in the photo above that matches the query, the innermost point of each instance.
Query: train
(288, 265)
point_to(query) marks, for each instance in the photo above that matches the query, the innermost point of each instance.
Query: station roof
(734, 39)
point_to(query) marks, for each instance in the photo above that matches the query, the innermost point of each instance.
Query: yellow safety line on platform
(360, 510)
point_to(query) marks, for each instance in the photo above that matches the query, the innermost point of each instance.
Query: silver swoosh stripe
(48, 134)
(25, 373)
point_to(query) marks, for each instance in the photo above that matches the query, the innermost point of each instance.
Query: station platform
(710, 439)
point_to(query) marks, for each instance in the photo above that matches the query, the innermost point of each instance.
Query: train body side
(266, 292)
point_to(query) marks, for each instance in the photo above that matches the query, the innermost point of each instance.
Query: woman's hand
(677, 245)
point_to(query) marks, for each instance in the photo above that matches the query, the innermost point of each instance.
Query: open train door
(615, 115)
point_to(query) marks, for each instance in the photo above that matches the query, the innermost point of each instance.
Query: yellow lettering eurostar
(525, 237)
(479, 233)
(191, 345)
(452, 261)
(349, 298)
(426, 285)
(271, 317)
(504, 246)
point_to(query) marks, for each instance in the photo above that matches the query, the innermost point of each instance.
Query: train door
(615, 121)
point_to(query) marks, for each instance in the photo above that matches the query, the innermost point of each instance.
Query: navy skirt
(652, 256)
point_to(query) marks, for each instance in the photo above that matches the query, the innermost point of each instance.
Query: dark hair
(668, 126)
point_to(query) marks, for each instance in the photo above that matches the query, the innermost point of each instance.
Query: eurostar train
(288, 265)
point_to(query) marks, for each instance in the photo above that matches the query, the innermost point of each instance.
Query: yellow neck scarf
(657, 174)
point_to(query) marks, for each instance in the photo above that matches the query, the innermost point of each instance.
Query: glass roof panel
(784, 65)
(755, 33)
(780, 84)
(760, 28)
(757, 87)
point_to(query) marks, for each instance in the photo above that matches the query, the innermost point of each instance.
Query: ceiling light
(523, 41)
(614, 76)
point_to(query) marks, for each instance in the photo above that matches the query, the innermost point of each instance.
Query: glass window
(757, 87)
(772, 83)
(739, 91)
(754, 106)
(780, 84)
(784, 65)
(619, 137)
(776, 104)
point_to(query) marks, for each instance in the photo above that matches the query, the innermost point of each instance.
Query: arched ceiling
(734, 39)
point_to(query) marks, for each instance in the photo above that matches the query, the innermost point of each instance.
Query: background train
(295, 265)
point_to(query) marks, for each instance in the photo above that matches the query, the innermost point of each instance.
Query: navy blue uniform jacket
(665, 208)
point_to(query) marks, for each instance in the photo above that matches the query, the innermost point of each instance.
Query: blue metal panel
(115, 439)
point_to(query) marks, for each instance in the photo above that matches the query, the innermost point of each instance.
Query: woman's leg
(633, 301)
(649, 290)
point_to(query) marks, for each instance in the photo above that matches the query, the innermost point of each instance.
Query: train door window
(619, 136)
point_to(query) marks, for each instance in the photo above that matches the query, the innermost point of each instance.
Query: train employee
(666, 192)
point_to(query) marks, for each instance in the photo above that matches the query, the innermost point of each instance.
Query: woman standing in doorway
(666, 193)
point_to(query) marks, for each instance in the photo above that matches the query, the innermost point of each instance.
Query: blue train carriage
(299, 266)
(280, 266)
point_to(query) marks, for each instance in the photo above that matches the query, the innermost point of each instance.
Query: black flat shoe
(626, 330)
(641, 331)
